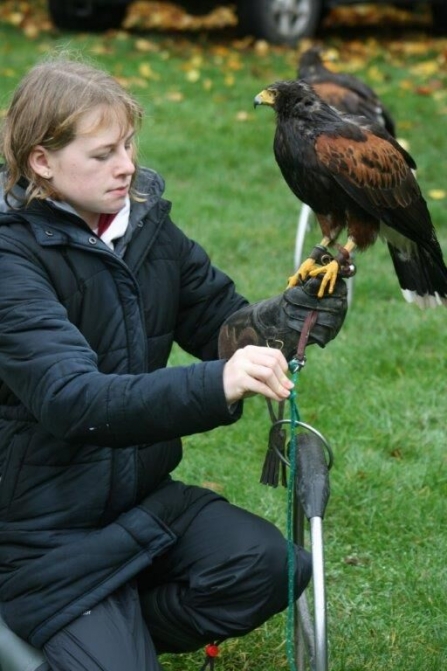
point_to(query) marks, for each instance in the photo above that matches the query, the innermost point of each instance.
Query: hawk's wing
(376, 174)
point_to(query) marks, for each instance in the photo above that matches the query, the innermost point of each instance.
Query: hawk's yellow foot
(330, 271)
(302, 273)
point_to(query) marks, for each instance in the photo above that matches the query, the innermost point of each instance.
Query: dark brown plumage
(346, 93)
(354, 175)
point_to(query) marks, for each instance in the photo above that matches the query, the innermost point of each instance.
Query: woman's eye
(102, 157)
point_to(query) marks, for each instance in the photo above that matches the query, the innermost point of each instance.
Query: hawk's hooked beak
(265, 97)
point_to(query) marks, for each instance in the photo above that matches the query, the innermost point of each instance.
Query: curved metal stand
(303, 227)
(312, 495)
(314, 459)
(311, 632)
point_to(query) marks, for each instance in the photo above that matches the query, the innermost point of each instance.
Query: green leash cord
(294, 367)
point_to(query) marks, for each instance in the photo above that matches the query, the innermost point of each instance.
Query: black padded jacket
(91, 416)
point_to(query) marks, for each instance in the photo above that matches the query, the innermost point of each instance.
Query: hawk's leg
(332, 269)
(313, 264)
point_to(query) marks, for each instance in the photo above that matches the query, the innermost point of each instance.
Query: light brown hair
(46, 108)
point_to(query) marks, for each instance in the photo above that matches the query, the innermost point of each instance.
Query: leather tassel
(273, 465)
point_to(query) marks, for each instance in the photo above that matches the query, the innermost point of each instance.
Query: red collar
(104, 222)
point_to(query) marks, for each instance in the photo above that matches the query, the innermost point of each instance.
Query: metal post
(321, 654)
(304, 630)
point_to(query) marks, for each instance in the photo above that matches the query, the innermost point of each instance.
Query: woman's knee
(278, 558)
(255, 577)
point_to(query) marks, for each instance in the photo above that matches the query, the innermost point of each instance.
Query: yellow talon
(302, 273)
(330, 276)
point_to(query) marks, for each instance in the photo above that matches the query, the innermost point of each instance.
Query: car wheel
(439, 13)
(86, 16)
(279, 21)
(198, 7)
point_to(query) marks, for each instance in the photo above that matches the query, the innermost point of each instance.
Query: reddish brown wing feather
(374, 166)
(338, 96)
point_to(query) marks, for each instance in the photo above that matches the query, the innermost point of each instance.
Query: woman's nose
(125, 163)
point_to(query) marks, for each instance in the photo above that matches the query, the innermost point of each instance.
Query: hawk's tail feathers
(422, 277)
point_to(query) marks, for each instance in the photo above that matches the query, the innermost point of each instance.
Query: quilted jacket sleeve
(51, 369)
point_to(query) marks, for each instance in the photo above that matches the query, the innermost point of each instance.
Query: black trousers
(226, 575)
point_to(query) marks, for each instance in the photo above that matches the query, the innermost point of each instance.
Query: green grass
(378, 392)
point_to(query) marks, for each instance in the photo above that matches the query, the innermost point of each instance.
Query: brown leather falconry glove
(279, 321)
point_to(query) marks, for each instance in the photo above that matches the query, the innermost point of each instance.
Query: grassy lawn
(378, 392)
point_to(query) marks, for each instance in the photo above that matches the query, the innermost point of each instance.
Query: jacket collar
(49, 228)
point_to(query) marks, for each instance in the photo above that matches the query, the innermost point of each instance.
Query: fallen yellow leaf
(145, 45)
(375, 74)
(175, 96)
(437, 194)
(146, 71)
(425, 68)
(193, 75)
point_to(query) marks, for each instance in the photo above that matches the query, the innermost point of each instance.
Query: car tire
(279, 21)
(86, 16)
(439, 14)
(198, 7)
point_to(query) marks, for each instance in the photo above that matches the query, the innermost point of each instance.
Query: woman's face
(93, 173)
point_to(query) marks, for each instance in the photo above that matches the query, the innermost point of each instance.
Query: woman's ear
(39, 162)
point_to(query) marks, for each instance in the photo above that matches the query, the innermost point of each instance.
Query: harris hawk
(354, 175)
(344, 91)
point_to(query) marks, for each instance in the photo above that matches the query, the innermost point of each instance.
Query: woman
(105, 559)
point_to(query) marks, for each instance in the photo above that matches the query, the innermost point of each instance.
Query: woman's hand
(256, 370)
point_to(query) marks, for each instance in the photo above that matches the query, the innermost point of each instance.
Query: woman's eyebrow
(110, 145)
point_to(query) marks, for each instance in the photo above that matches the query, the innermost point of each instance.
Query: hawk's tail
(422, 276)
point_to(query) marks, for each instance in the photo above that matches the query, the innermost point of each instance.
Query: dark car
(277, 21)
